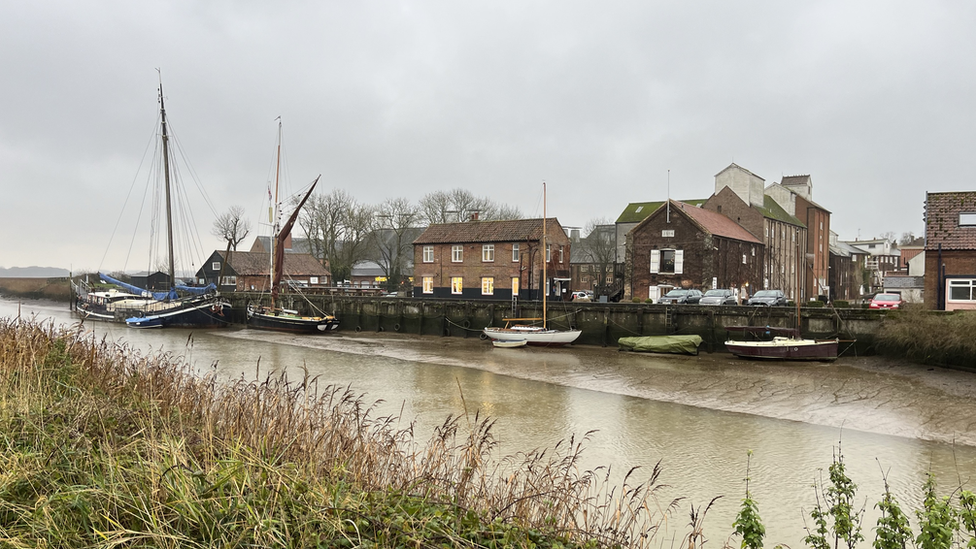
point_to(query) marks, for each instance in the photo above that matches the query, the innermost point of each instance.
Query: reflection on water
(698, 415)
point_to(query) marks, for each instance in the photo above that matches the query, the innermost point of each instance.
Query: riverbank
(55, 289)
(105, 445)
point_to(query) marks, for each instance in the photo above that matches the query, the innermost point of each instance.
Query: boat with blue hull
(178, 305)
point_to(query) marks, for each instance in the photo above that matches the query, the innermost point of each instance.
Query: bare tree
(393, 236)
(337, 228)
(599, 249)
(459, 205)
(232, 227)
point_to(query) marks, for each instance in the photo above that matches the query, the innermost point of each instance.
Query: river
(699, 415)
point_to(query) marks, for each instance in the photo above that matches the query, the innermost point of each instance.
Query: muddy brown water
(699, 415)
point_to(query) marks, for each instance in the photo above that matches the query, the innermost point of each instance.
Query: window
(313, 280)
(428, 285)
(488, 252)
(743, 259)
(515, 252)
(967, 219)
(548, 253)
(428, 254)
(515, 284)
(667, 261)
(560, 254)
(215, 266)
(610, 278)
(487, 285)
(457, 283)
(962, 290)
(457, 253)
(228, 281)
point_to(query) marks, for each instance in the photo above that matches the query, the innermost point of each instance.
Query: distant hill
(33, 272)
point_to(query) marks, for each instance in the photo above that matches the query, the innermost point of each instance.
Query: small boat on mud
(509, 344)
(669, 344)
(780, 344)
(529, 333)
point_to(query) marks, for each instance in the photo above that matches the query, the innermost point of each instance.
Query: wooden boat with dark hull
(274, 317)
(780, 344)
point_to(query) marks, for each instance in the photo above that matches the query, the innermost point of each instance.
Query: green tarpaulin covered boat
(673, 344)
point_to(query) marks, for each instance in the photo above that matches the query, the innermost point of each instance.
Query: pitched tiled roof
(795, 180)
(258, 264)
(514, 230)
(942, 221)
(635, 212)
(716, 223)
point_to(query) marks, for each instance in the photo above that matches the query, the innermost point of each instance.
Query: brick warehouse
(491, 260)
(684, 246)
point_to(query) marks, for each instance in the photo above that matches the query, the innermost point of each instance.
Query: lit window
(428, 254)
(487, 285)
(428, 284)
(488, 252)
(457, 253)
(456, 284)
(515, 285)
(515, 252)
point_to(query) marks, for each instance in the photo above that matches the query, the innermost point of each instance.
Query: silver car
(719, 297)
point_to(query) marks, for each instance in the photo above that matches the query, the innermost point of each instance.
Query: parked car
(767, 298)
(678, 295)
(719, 297)
(580, 296)
(885, 301)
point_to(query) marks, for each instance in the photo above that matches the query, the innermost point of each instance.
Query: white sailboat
(517, 334)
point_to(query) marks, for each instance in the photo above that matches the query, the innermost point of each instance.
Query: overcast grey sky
(875, 100)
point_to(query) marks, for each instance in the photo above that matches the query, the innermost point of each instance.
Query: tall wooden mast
(169, 207)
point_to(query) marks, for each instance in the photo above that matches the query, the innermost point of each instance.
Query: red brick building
(680, 245)
(950, 250)
(491, 260)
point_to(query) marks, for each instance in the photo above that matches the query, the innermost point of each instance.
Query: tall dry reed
(157, 456)
(930, 337)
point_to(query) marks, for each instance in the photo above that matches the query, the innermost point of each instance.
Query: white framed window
(515, 285)
(228, 281)
(667, 261)
(457, 253)
(962, 290)
(215, 266)
(967, 219)
(428, 282)
(428, 254)
(515, 252)
(487, 285)
(743, 259)
(561, 254)
(313, 280)
(548, 253)
(457, 285)
(487, 252)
